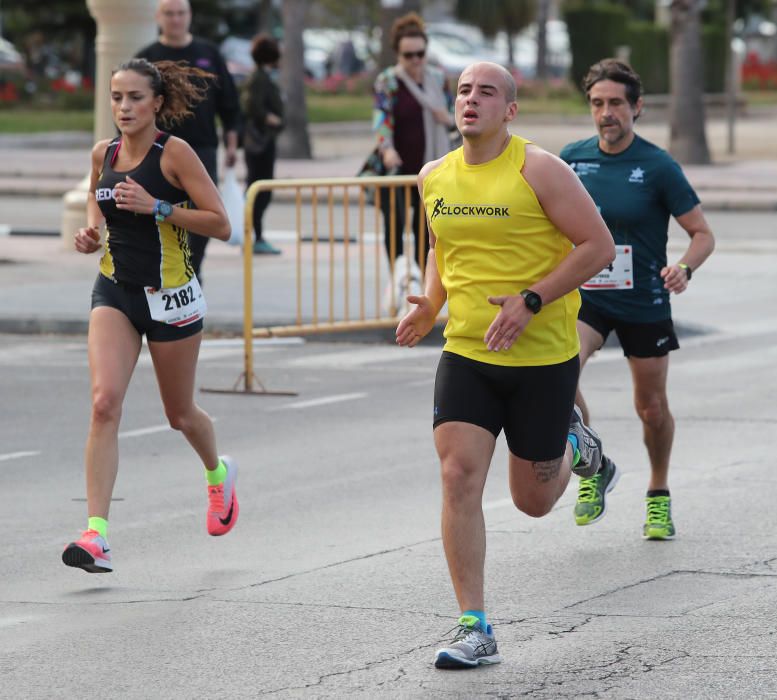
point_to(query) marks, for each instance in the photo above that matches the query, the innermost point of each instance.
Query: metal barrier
(360, 305)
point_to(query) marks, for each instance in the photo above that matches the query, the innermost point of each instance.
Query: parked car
(453, 47)
(322, 48)
(11, 60)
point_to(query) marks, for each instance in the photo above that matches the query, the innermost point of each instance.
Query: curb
(215, 327)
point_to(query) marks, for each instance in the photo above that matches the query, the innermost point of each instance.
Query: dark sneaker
(591, 494)
(659, 525)
(471, 646)
(589, 446)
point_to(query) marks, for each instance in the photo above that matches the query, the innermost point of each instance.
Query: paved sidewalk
(49, 165)
(45, 287)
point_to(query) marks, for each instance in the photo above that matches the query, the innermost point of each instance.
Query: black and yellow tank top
(138, 250)
(494, 239)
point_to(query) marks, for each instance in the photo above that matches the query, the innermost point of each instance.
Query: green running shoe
(659, 525)
(591, 494)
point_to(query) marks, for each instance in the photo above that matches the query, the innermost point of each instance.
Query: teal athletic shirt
(636, 192)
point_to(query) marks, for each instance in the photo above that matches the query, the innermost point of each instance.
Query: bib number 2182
(177, 306)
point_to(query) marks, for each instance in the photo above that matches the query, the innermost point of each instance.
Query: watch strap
(687, 268)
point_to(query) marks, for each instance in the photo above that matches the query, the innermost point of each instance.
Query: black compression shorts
(654, 339)
(130, 299)
(531, 404)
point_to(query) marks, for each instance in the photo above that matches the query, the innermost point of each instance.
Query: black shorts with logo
(130, 299)
(637, 339)
(531, 404)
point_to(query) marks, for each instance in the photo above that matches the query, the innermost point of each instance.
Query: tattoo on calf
(546, 471)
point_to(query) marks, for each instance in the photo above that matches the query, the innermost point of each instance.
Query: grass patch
(338, 108)
(761, 97)
(30, 121)
(321, 108)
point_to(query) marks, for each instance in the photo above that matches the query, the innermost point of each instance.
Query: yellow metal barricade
(355, 271)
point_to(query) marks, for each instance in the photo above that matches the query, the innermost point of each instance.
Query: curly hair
(618, 72)
(264, 50)
(182, 86)
(410, 24)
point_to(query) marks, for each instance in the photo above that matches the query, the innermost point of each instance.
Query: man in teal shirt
(637, 187)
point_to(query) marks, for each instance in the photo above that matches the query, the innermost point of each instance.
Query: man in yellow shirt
(513, 235)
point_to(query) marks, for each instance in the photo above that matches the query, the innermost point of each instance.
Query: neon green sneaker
(659, 525)
(591, 494)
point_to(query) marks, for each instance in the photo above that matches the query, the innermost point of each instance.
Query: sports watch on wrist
(532, 300)
(687, 268)
(162, 210)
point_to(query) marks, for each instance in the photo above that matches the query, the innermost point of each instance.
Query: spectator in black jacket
(262, 105)
(176, 43)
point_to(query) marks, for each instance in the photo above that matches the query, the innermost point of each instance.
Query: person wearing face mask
(637, 187)
(262, 105)
(412, 119)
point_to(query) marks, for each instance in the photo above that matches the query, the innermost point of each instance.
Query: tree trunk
(294, 141)
(542, 39)
(687, 142)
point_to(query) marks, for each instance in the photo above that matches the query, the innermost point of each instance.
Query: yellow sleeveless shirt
(493, 239)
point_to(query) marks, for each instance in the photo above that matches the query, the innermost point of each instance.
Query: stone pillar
(122, 29)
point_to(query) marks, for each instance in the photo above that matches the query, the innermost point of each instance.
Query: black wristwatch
(162, 210)
(532, 300)
(687, 268)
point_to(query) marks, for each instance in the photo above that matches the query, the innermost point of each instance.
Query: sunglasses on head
(414, 54)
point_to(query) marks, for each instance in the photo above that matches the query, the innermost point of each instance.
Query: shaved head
(503, 76)
(174, 4)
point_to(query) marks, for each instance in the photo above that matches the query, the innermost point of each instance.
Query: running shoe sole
(657, 536)
(81, 559)
(448, 661)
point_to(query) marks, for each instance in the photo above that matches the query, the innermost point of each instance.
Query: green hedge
(650, 55)
(594, 33)
(713, 39)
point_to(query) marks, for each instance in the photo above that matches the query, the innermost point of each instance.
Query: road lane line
(16, 455)
(323, 401)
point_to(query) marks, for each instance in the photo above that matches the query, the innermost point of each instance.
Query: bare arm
(570, 208)
(87, 240)
(181, 166)
(420, 320)
(699, 249)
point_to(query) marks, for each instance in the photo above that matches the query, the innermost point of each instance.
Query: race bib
(177, 306)
(619, 274)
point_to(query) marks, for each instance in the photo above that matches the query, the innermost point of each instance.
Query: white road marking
(323, 401)
(17, 455)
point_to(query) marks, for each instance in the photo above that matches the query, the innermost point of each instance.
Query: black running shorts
(531, 404)
(637, 339)
(130, 299)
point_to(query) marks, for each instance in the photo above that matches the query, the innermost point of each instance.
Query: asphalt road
(334, 584)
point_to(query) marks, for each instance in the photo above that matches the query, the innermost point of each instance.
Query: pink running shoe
(222, 502)
(90, 553)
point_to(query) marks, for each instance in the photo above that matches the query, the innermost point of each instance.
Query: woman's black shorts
(130, 299)
(532, 405)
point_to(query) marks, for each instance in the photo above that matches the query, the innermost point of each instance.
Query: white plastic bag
(234, 203)
(407, 279)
